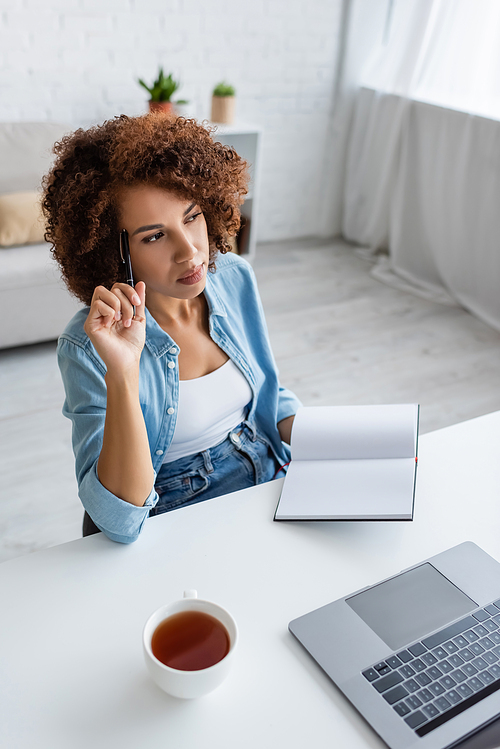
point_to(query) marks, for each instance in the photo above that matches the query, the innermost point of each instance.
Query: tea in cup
(189, 645)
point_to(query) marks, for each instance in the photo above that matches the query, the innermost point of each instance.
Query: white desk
(71, 667)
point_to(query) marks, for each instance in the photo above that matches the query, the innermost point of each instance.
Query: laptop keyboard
(442, 675)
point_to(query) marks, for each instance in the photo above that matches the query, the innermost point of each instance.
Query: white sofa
(34, 299)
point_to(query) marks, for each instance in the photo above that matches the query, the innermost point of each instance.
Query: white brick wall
(77, 61)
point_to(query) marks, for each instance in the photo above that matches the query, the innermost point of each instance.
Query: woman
(171, 385)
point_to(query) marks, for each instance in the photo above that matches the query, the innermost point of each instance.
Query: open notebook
(351, 463)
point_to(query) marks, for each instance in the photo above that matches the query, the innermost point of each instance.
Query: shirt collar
(157, 341)
(214, 300)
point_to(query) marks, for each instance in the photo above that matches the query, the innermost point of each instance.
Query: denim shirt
(236, 324)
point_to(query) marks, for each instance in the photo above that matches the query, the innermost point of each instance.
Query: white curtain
(423, 171)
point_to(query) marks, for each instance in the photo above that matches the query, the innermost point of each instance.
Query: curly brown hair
(80, 191)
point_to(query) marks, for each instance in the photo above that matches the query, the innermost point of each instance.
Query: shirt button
(159, 452)
(171, 365)
(170, 411)
(173, 350)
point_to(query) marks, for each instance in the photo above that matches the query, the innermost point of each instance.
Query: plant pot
(223, 109)
(162, 106)
(184, 110)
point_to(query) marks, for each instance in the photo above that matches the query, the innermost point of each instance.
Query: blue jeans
(243, 459)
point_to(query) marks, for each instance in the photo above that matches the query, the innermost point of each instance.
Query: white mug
(189, 684)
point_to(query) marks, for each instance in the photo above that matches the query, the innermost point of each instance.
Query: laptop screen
(411, 605)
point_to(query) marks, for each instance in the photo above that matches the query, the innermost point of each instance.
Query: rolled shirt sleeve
(288, 404)
(85, 405)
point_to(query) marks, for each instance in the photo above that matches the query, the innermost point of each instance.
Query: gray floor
(339, 337)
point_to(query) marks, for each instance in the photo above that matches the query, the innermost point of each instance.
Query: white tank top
(209, 407)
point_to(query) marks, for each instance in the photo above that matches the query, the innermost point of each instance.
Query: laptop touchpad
(411, 605)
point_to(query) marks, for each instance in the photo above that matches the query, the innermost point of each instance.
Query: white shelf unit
(246, 141)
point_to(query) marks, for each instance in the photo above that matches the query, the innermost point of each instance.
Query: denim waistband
(243, 459)
(236, 438)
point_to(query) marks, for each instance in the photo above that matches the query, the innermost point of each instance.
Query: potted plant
(161, 91)
(223, 103)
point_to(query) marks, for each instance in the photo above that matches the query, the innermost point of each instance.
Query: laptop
(418, 654)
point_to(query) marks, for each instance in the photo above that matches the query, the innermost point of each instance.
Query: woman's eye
(192, 218)
(153, 238)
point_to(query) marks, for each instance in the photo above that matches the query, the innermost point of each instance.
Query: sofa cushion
(21, 220)
(28, 266)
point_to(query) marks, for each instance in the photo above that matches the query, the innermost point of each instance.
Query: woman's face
(168, 241)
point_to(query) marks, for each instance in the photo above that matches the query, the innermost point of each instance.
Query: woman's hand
(118, 335)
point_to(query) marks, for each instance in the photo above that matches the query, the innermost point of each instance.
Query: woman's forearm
(124, 466)
(285, 429)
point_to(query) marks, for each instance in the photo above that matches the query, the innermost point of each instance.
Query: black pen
(125, 254)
